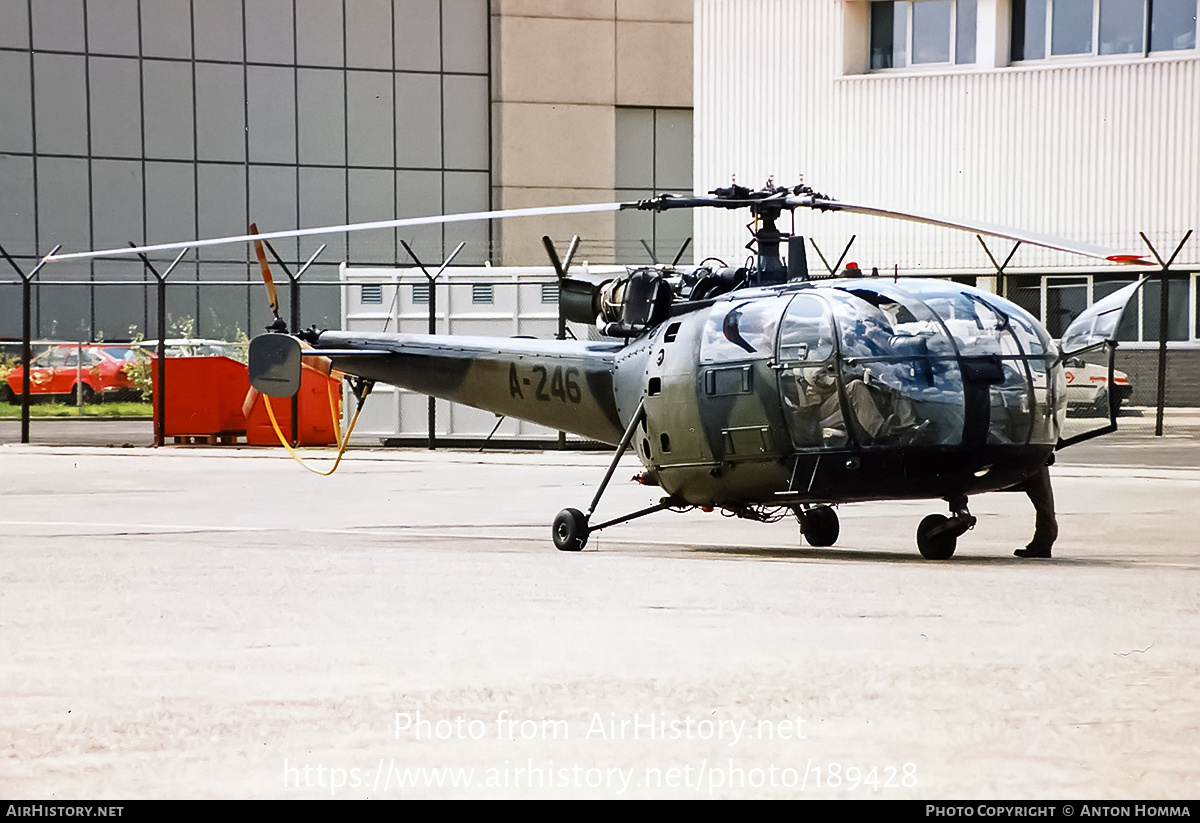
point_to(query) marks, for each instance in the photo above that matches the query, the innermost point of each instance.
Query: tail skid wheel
(570, 530)
(935, 539)
(819, 525)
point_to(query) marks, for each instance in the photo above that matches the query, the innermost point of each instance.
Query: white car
(1088, 389)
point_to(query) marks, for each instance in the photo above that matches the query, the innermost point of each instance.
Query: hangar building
(1075, 118)
(159, 120)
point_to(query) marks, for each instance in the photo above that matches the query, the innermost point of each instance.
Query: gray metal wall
(159, 120)
(517, 302)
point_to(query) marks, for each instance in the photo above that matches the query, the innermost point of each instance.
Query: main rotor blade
(348, 227)
(1033, 239)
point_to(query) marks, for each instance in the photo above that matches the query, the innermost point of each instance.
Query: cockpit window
(741, 330)
(899, 367)
(879, 323)
(981, 323)
(807, 333)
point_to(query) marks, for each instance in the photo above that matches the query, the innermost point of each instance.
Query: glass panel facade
(965, 16)
(1102, 27)
(1028, 29)
(931, 31)
(1177, 310)
(882, 35)
(1071, 27)
(1058, 300)
(1066, 297)
(653, 156)
(1172, 25)
(916, 32)
(204, 116)
(1122, 26)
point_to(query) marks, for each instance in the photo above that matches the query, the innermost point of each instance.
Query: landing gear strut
(937, 535)
(572, 527)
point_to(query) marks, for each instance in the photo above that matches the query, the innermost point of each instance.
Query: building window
(1094, 27)
(654, 156)
(550, 292)
(420, 294)
(482, 293)
(1058, 300)
(371, 293)
(919, 32)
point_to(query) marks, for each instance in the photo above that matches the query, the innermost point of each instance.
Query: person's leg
(1045, 530)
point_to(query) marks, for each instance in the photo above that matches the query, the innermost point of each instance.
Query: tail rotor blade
(571, 249)
(265, 267)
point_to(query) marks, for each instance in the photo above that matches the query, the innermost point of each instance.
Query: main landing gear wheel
(935, 539)
(570, 530)
(819, 525)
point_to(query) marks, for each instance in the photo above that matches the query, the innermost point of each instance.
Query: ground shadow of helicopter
(754, 390)
(869, 555)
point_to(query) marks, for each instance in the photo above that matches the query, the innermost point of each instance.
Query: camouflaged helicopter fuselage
(563, 384)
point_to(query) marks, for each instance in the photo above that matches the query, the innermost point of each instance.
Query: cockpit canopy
(882, 362)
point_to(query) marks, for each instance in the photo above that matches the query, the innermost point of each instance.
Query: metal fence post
(26, 332)
(1163, 304)
(79, 378)
(432, 278)
(160, 396)
(560, 271)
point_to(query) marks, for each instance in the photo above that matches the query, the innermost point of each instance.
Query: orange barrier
(316, 419)
(203, 398)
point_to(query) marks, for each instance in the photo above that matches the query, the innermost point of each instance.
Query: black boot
(1033, 550)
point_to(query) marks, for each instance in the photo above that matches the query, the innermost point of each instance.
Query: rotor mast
(766, 204)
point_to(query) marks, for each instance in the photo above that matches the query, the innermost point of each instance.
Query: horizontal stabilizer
(274, 364)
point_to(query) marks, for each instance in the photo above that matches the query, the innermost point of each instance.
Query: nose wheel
(572, 527)
(937, 535)
(570, 530)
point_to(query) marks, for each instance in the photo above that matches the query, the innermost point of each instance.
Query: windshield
(908, 358)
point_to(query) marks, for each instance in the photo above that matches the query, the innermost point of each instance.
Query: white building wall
(1092, 149)
(516, 309)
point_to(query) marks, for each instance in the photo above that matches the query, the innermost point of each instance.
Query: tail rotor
(278, 324)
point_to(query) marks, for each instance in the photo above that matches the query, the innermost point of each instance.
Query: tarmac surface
(217, 622)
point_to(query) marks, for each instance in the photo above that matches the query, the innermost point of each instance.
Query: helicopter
(758, 390)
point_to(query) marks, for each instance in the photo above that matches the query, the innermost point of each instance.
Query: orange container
(204, 397)
(316, 421)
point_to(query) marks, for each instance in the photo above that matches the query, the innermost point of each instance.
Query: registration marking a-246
(545, 385)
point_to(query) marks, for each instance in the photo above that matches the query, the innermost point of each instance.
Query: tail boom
(565, 385)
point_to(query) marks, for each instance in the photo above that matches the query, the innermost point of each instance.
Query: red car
(55, 373)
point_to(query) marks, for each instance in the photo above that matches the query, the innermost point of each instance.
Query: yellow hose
(343, 442)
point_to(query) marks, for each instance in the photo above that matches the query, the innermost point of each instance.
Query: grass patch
(10, 411)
